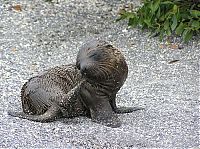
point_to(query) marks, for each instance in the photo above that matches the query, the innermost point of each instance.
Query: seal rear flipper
(121, 110)
(51, 114)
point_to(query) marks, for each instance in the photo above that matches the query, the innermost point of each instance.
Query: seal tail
(121, 110)
(50, 115)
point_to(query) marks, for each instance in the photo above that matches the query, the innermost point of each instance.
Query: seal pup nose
(83, 69)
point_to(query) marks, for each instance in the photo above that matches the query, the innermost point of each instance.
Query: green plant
(164, 17)
(49, 1)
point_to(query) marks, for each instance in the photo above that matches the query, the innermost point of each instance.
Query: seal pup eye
(95, 56)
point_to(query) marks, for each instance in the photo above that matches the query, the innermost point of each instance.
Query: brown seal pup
(105, 70)
(88, 88)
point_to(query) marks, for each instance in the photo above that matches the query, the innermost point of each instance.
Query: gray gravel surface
(45, 35)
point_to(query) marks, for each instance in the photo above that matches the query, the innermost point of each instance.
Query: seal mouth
(83, 76)
(83, 71)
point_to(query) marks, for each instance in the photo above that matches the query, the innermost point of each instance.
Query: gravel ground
(44, 35)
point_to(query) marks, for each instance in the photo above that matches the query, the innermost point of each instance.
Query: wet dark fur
(88, 88)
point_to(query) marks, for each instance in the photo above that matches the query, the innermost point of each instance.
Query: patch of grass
(164, 17)
(49, 1)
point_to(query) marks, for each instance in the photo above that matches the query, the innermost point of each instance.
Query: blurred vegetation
(164, 17)
(49, 1)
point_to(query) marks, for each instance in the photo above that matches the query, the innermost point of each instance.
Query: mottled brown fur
(88, 88)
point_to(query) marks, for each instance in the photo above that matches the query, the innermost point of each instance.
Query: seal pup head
(99, 61)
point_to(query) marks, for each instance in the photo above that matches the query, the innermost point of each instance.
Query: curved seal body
(88, 88)
(52, 95)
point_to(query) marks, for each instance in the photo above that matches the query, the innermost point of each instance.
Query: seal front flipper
(112, 121)
(50, 115)
(120, 110)
(99, 107)
(102, 113)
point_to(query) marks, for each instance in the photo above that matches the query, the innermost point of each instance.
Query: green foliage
(49, 1)
(164, 17)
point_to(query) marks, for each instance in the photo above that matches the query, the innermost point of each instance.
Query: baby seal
(88, 88)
